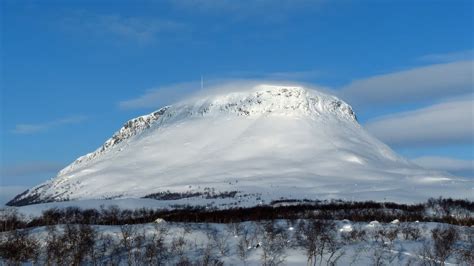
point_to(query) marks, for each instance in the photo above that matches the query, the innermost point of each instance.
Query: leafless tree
(10, 219)
(138, 243)
(315, 236)
(220, 240)
(156, 251)
(356, 235)
(178, 247)
(243, 246)
(52, 245)
(465, 253)
(127, 236)
(74, 245)
(389, 234)
(444, 239)
(18, 247)
(410, 232)
(381, 253)
(274, 242)
(208, 257)
(382, 249)
(234, 228)
(335, 249)
(85, 244)
(104, 246)
(426, 255)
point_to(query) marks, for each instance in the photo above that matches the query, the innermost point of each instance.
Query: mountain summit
(246, 147)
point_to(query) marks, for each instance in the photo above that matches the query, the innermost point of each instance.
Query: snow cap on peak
(259, 99)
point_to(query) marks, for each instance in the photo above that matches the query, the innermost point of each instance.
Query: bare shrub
(425, 253)
(244, 246)
(388, 234)
(444, 239)
(382, 248)
(105, 245)
(53, 246)
(335, 249)
(10, 219)
(208, 257)
(441, 246)
(381, 253)
(356, 235)
(220, 240)
(85, 244)
(156, 251)
(138, 243)
(127, 237)
(178, 247)
(274, 242)
(410, 232)
(18, 247)
(465, 253)
(318, 237)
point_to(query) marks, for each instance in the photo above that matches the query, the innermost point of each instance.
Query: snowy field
(281, 242)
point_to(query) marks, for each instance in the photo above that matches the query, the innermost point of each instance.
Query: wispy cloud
(30, 168)
(160, 96)
(248, 5)
(140, 29)
(455, 166)
(167, 94)
(8, 192)
(293, 75)
(448, 57)
(444, 123)
(40, 127)
(266, 10)
(428, 82)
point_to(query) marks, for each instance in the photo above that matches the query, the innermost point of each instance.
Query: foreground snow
(264, 143)
(248, 243)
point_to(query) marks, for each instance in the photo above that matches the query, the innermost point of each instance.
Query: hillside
(246, 148)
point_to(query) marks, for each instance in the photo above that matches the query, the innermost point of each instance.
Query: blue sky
(72, 72)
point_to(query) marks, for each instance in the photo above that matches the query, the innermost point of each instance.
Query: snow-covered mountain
(249, 146)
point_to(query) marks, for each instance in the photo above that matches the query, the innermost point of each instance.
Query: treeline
(456, 212)
(207, 194)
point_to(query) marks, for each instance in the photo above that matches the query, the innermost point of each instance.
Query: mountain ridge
(267, 142)
(139, 124)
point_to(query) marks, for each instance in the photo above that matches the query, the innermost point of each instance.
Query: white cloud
(448, 57)
(9, 192)
(168, 94)
(160, 96)
(140, 29)
(30, 168)
(40, 127)
(417, 84)
(247, 7)
(445, 123)
(455, 166)
(293, 75)
(13, 177)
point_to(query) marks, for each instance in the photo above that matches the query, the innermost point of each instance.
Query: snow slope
(265, 143)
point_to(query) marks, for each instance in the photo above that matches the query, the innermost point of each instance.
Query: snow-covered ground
(252, 243)
(266, 142)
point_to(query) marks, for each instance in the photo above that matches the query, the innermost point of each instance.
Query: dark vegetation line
(456, 212)
(207, 194)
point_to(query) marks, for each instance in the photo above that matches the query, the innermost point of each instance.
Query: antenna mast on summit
(202, 82)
